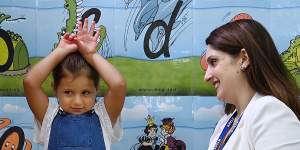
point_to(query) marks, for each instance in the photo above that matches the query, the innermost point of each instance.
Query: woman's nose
(207, 75)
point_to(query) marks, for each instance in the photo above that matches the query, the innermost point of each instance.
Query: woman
(261, 108)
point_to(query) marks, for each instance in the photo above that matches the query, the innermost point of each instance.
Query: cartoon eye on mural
(14, 58)
(163, 18)
(76, 13)
(13, 138)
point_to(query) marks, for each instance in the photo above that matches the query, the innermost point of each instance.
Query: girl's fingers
(96, 36)
(71, 37)
(79, 27)
(85, 25)
(66, 35)
(92, 28)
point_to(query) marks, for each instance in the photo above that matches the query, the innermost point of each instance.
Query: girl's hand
(86, 39)
(67, 43)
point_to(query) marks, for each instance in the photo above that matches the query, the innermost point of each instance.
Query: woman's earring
(242, 67)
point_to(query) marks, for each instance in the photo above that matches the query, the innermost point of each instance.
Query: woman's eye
(212, 62)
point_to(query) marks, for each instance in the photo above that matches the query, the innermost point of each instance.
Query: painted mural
(156, 44)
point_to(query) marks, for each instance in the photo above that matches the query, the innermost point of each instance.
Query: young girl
(79, 122)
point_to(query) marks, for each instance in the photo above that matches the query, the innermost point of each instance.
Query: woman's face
(223, 72)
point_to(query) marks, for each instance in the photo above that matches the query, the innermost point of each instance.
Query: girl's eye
(85, 92)
(68, 92)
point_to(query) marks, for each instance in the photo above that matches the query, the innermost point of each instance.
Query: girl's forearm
(107, 71)
(39, 73)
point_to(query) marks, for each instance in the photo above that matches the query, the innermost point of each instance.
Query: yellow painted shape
(3, 52)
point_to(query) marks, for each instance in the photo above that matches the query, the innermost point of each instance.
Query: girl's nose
(77, 100)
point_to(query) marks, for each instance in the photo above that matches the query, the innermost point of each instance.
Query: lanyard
(224, 137)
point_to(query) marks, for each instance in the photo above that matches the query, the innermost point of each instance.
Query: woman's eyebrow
(208, 58)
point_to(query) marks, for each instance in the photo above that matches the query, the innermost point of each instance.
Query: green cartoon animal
(291, 56)
(14, 58)
(75, 12)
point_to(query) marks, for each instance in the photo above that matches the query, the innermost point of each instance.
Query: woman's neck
(243, 99)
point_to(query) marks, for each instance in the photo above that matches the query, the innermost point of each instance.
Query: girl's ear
(245, 61)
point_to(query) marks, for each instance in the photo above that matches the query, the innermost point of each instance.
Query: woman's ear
(245, 61)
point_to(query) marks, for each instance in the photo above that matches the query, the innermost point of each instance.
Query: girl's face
(223, 72)
(76, 95)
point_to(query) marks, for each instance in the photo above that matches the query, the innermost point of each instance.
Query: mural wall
(156, 44)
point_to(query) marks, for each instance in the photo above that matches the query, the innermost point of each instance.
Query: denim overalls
(76, 132)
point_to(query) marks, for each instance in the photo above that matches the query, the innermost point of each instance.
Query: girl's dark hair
(11, 130)
(75, 65)
(266, 72)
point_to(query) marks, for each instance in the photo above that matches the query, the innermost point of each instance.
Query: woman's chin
(220, 97)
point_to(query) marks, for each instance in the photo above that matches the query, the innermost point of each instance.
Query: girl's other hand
(67, 43)
(86, 39)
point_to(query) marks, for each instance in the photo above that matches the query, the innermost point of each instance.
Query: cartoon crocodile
(291, 56)
(3, 17)
(75, 12)
(20, 62)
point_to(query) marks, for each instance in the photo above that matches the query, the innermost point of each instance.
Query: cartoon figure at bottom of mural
(13, 138)
(149, 140)
(168, 141)
(14, 58)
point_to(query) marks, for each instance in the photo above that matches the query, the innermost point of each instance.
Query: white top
(110, 134)
(266, 124)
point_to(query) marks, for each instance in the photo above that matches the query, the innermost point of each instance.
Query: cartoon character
(75, 12)
(149, 140)
(168, 141)
(13, 138)
(291, 56)
(14, 58)
(151, 11)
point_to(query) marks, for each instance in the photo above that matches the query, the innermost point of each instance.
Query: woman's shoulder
(265, 102)
(266, 107)
(265, 118)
